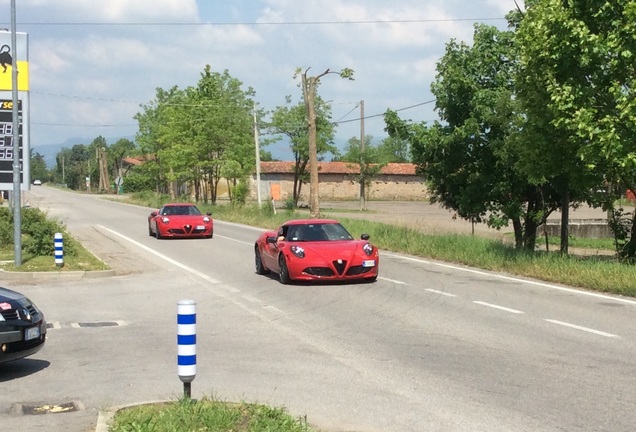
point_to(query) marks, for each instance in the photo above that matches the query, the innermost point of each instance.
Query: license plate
(32, 333)
(200, 227)
(368, 263)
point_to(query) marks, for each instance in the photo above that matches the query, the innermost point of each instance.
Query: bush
(38, 232)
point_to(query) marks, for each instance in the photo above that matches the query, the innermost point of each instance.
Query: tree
(584, 94)
(291, 121)
(309, 85)
(38, 166)
(394, 150)
(467, 159)
(121, 149)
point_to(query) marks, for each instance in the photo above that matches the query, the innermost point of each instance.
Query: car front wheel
(260, 268)
(283, 272)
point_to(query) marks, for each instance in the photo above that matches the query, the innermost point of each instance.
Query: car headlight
(368, 249)
(297, 251)
(206, 219)
(165, 219)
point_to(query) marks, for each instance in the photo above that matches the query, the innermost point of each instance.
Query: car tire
(157, 234)
(260, 268)
(150, 233)
(283, 271)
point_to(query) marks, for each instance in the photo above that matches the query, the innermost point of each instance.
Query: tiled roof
(337, 168)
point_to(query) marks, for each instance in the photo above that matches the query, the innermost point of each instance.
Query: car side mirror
(365, 236)
(271, 240)
(153, 214)
(209, 213)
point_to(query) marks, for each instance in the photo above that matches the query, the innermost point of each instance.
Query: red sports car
(180, 220)
(316, 249)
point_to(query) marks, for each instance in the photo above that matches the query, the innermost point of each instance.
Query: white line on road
(440, 292)
(498, 307)
(392, 280)
(513, 279)
(250, 298)
(585, 329)
(170, 260)
(274, 309)
(235, 240)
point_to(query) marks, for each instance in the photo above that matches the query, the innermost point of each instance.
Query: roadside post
(186, 344)
(58, 243)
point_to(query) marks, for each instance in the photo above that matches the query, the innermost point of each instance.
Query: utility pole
(362, 158)
(258, 159)
(17, 198)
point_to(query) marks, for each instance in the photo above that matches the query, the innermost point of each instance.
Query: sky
(93, 63)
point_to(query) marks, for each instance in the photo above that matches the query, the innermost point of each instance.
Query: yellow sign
(23, 77)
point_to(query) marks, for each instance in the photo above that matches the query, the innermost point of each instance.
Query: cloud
(93, 62)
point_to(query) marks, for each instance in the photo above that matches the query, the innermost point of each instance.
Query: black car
(22, 326)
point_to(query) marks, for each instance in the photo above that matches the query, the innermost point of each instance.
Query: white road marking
(392, 280)
(498, 307)
(235, 240)
(250, 298)
(513, 279)
(274, 309)
(170, 260)
(440, 292)
(585, 329)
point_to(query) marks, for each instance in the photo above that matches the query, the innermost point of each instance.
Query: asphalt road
(429, 347)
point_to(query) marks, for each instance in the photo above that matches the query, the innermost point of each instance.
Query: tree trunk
(565, 219)
(518, 228)
(309, 89)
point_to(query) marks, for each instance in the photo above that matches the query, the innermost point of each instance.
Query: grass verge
(206, 415)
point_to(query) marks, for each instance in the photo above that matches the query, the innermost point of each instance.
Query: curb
(26, 276)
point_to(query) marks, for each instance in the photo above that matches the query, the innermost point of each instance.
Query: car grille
(187, 229)
(339, 266)
(318, 271)
(13, 315)
(358, 270)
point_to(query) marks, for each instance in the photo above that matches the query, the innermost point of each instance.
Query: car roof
(311, 221)
(178, 204)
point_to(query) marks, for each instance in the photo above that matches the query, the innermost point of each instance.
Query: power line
(379, 115)
(247, 23)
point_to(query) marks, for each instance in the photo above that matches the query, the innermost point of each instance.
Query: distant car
(180, 220)
(22, 326)
(37, 182)
(316, 250)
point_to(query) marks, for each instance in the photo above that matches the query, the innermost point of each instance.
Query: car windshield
(318, 232)
(180, 210)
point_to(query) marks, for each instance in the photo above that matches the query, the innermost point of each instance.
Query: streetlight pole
(17, 198)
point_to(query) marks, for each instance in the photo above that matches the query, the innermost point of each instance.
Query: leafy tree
(291, 121)
(578, 84)
(394, 150)
(467, 158)
(38, 166)
(117, 152)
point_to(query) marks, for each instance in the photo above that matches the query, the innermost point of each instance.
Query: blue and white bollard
(59, 250)
(186, 344)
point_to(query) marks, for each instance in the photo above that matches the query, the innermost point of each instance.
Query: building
(338, 181)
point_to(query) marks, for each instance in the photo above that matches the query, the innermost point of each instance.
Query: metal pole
(362, 158)
(258, 160)
(17, 199)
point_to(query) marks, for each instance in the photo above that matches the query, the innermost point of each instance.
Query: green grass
(206, 415)
(80, 260)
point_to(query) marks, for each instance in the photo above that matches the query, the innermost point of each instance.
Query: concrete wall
(345, 187)
(588, 228)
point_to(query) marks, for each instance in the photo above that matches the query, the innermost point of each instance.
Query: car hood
(332, 249)
(9, 295)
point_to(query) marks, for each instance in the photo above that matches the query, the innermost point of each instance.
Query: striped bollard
(186, 344)
(59, 250)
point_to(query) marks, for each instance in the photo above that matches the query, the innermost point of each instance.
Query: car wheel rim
(258, 262)
(283, 270)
